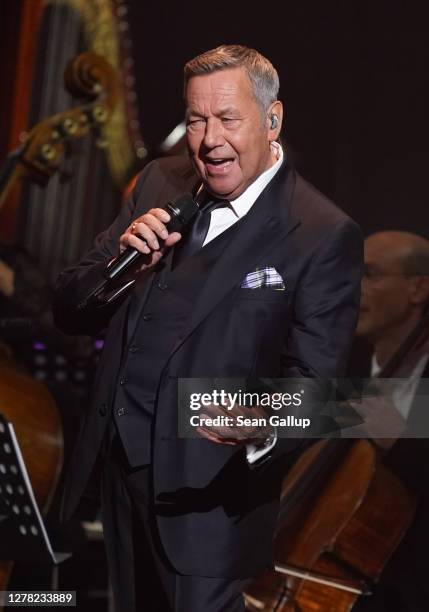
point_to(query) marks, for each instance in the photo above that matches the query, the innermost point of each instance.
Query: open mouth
(218, 165)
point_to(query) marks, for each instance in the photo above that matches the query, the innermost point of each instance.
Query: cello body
(29, 406)
(345, 527)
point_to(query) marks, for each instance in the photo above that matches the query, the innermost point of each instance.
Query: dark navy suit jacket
(215, 515)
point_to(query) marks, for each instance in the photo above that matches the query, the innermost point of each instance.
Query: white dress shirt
(403, 390)
(223, 218)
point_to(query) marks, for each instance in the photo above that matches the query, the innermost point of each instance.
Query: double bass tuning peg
(101, 141)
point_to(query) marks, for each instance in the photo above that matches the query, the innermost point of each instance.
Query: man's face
(386, 302)
(228, 139)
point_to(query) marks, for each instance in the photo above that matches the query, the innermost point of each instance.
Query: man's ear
(275, 120)
(419, 292)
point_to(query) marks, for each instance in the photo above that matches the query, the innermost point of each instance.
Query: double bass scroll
(88, 75)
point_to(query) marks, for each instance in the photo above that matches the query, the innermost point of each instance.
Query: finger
(214, 410)
(172, 239)
(233, 442)
(213, 438)
(161, 214)
(224, 433)
(143, 230)
(155, 224)
(212, 435)
(130, 240)
(207, 434)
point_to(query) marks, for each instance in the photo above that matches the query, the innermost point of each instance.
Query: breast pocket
(262, 309)
(266, 294)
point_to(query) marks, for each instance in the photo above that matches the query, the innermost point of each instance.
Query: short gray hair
(262, 74)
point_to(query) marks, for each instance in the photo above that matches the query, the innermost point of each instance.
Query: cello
(26, 402)
(342, 515)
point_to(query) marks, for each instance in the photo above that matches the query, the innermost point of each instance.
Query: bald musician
(395, 292)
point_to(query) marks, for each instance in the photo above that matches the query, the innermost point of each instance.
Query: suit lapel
(265, 226)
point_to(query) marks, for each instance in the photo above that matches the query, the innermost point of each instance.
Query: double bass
(26, 402)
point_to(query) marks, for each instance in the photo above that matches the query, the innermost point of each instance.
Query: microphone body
(181, 211)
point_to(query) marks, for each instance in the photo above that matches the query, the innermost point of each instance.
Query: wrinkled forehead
(226, 82)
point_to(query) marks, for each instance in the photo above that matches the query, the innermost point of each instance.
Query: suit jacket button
(120, 411)
(134, 348)
(147, 317)
(162, 286)
(102, 411)
(123, 381)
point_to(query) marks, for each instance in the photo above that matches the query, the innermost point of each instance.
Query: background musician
(395, 291)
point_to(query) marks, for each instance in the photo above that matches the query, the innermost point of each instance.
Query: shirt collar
(241, 205)
(375, 368)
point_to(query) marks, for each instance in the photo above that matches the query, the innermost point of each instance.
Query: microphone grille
(182, 209)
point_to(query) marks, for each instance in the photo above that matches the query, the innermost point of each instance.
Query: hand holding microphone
(149, 236)
(152, 234)
(145, 241)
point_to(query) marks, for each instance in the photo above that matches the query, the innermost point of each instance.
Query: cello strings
(316, 577)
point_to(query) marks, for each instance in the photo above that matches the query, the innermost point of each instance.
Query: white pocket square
(263, 278)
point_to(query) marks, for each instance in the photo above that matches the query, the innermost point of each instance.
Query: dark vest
(154, 327)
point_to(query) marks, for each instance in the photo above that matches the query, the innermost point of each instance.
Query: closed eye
(195, 122)
(229, 120)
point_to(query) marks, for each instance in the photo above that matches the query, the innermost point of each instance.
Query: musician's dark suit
(215, 514)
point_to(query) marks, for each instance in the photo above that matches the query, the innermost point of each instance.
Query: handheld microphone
(181, 210)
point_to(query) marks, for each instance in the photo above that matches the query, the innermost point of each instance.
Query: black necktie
(192, 242)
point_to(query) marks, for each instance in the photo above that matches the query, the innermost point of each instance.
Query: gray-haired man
(273, 292)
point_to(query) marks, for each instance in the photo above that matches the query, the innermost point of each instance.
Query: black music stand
(23, 535)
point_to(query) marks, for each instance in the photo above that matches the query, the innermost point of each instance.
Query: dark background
(354, 81)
